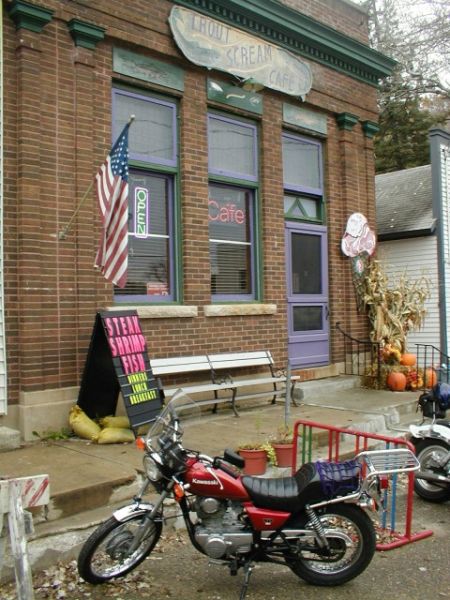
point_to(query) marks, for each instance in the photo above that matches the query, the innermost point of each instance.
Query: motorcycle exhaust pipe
(432, 477)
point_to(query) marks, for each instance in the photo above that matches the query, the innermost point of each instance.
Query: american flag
(111, 184)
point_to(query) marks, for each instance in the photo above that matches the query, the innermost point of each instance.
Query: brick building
(251, 146)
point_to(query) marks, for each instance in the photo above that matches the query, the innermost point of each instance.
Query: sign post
(117, 360)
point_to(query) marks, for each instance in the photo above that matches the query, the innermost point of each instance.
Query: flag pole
(63, 233)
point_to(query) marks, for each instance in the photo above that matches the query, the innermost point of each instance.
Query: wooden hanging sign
(117, 360)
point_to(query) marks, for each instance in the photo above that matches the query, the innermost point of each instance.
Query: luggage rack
(385, 462)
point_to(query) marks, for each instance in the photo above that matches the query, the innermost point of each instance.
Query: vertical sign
(141, 212)
(117, 360)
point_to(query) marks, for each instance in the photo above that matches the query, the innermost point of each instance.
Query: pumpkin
(430, 378)
(408, 360)
(396, 381)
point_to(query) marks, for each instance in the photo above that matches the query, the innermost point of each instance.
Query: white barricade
(15, 496)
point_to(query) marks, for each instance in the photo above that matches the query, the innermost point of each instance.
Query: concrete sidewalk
(87, 480)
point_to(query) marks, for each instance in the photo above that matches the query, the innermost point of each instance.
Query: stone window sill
(161, 312)
(238, 310)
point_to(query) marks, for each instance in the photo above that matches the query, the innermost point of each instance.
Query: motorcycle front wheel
(106, 553)
(351, 538)
(427, 451)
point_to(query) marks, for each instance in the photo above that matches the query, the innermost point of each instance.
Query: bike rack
(303, 430)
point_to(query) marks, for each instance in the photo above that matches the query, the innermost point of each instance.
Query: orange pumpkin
(396, 381)
(408, 360)
(430, 378)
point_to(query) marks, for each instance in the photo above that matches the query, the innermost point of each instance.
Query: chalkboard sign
(117, 360)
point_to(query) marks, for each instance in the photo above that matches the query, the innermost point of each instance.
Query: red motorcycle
(314, 522)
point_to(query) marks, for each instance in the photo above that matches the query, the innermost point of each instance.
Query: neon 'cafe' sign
(225, 213)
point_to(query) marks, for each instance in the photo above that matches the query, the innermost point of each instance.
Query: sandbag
(82, 425)
(122, 422)
(115, 435)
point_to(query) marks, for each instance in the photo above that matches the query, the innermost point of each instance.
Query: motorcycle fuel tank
(206, 481)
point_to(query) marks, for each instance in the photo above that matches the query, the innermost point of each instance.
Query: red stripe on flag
(112, 255)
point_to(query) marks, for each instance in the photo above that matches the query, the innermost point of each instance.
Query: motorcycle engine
(219, 530)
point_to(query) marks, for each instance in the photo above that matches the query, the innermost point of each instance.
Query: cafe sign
(212, 44)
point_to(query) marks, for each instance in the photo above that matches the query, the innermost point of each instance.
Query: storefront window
(302, 176)
(152, 146)
(230, 215)
(302, 169)
(232, 156)
(232, 148)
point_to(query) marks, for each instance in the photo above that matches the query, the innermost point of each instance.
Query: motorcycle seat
(444, 422)
(285, 493)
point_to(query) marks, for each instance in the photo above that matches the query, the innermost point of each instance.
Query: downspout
(440, 212)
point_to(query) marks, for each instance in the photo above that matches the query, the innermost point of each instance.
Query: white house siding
(416, 257)
(2, 309)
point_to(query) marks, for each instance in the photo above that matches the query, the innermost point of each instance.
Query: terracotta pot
(284, 454)
(255, 461)
(396, 382)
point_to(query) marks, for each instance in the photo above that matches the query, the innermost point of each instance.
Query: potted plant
(283, 444)
(256, 456)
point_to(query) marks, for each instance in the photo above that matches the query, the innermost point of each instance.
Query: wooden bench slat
(239, 364)
(173, 366)
(240, 355)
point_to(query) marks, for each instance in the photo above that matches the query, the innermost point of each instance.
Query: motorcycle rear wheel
(425, 489)
(104, 555)
(346, 561)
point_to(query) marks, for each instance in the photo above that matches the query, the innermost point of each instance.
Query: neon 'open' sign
(141, 212)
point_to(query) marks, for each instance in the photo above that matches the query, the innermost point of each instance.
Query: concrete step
(308, 390)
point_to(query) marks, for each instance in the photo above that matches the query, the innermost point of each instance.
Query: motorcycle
(315, 522)
(432, 444)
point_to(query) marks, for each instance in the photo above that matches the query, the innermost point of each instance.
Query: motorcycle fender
(126, 512)
(430, 431)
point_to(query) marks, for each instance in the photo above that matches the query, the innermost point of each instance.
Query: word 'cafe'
(226, 213)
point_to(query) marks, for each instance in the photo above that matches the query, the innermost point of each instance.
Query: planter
(284, 454)
(255, 461)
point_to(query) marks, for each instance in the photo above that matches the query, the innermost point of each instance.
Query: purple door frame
(307, 345)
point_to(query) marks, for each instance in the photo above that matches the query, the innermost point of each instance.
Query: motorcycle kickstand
(248, 568)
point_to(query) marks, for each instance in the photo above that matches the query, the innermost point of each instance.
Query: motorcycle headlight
(152, 470)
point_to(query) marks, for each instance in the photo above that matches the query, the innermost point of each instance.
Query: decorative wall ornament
(358, 237)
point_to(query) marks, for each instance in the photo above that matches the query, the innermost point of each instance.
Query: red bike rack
(303, 430)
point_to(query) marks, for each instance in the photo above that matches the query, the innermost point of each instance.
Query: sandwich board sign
(117, 360)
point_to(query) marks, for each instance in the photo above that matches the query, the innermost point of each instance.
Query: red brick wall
(57, 132)
(350, 20)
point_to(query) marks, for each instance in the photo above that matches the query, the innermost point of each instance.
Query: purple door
(307, 288)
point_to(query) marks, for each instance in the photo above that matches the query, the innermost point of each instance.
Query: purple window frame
(233, 174)
(172, 162)
(150, 167)
(252, 198)
(127, 298)
(302, 188)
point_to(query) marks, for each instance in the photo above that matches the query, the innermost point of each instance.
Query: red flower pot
(284, 454)
(255, 461)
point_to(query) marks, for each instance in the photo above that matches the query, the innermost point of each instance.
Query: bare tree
(417, 34)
